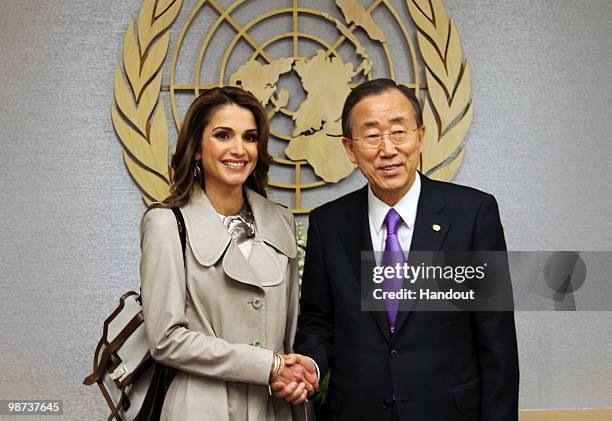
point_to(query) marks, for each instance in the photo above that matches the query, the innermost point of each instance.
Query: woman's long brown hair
(190, 137)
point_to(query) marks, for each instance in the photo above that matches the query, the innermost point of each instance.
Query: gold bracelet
(279, 365)
(282, 364)
(274, 367)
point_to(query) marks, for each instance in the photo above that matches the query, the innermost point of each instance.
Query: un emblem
(270, 53)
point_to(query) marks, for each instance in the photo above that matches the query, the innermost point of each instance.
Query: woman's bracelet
(278, 366)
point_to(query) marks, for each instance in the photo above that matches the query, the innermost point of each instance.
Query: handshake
(293, 377)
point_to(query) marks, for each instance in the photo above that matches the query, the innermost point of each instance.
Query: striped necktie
(392, 256)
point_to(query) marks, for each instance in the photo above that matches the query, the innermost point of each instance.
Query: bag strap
(180, 222)
(115, 412)
(100, 363)
(115, 344)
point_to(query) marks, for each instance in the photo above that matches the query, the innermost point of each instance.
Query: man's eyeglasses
(398, 137)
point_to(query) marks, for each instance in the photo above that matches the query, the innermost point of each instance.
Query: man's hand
(297, 381)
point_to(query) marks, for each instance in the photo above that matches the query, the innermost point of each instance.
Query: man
(399, 365)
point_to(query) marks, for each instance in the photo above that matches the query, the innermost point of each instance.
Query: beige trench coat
(220, 318)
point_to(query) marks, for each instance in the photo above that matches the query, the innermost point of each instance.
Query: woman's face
(228, 149)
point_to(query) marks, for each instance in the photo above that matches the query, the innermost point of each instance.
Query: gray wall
(70, 213)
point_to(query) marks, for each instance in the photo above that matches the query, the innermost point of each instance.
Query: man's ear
(421, 132)
(349, 148)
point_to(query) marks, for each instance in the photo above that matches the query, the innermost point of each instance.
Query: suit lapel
(380, 317)
(430, 229)
(355, 238)
(354, 233)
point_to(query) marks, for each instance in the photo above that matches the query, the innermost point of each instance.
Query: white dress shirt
(407, 209)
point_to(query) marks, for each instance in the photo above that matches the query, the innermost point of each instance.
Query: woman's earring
(196, 169)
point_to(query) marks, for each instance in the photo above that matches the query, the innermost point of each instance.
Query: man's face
(390, 168)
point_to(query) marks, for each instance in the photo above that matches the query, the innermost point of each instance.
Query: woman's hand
(297, 381)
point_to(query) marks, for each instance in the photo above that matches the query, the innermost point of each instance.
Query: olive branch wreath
(448, 109)
(139, 117)
(144, 136)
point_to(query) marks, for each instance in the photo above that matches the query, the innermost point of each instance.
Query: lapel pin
(436, 227)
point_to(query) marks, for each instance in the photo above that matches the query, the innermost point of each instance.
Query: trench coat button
(257, 343)
(393, 353)
(257, 302)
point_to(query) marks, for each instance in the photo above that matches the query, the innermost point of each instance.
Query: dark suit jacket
(439, 366)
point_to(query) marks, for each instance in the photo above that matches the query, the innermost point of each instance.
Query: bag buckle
(120, 373)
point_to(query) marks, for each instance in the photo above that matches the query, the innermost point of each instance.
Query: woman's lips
(234, 165)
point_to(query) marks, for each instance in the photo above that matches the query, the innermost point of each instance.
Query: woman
(225, 314)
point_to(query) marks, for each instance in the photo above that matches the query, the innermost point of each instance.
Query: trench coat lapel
(210, 241)
(206, 234)
(271, 225)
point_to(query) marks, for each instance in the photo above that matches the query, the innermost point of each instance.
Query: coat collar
(271, 225)
(209, 238)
